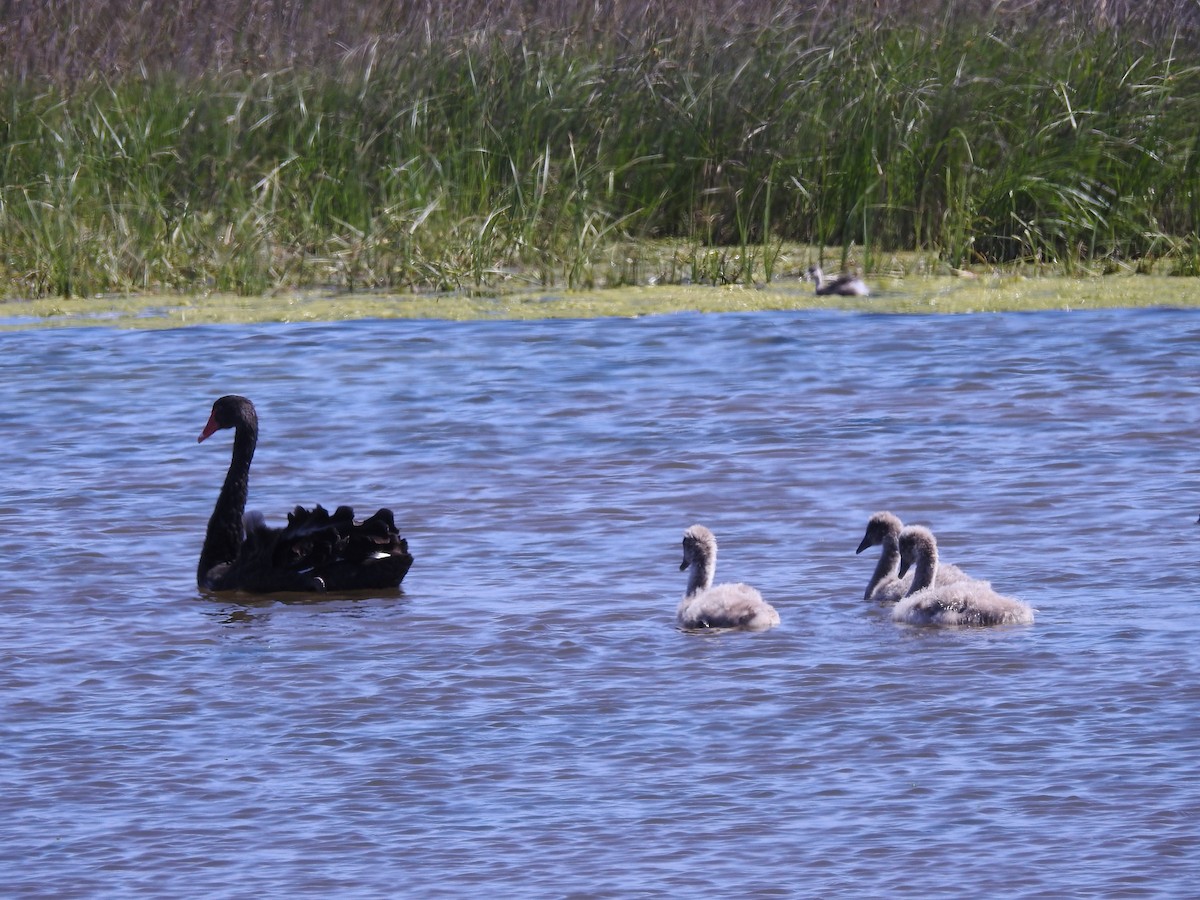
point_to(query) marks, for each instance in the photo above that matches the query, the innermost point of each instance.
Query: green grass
(260, 146)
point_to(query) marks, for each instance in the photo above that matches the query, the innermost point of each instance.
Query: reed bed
(244, 146)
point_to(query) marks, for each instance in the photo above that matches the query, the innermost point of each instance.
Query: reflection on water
(524, 716)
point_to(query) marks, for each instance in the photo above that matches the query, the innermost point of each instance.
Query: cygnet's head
(916, 542)
(699, 545)
(879, 527)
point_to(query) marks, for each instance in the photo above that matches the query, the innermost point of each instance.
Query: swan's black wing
(317, 552)
(343, 553)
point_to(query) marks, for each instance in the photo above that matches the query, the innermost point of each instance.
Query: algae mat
(917, 294)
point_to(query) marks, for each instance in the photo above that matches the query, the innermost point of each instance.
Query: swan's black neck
(225, 534)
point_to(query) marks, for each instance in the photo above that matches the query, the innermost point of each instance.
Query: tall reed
(248, 144)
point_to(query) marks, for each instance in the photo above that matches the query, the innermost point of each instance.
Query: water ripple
(524, 717)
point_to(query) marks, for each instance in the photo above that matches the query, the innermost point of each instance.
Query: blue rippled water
(525, 718)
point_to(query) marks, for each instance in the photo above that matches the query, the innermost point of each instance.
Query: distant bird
(315, 552)
(886, 586)
(845, 285)
(723, 606)
(967, 602)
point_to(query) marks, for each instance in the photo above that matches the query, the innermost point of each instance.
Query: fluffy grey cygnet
(886, 586)
(724, 606)
(845, 285)
(967, 602)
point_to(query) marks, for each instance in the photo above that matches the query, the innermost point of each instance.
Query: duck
(706, 607)
(845, 285)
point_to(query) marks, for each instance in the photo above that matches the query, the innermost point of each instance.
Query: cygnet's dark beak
(866, 542)
(683, 565)
(904, 564)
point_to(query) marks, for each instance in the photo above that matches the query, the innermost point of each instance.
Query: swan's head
(916, 543)
(230, 411)
(881, 527)
(699, 546)
(815, 273)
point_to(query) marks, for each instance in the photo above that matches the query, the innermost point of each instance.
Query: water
(525, 718)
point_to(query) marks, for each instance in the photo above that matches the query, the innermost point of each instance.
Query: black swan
(839, 286)
(967, 602)
(886, 586)
(315, 552)
(723, 606)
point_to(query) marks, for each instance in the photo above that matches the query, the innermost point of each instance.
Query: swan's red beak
(209, 428)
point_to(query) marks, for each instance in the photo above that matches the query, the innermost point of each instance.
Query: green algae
(908, 295)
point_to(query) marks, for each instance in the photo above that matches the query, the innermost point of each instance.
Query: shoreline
(909, 295)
